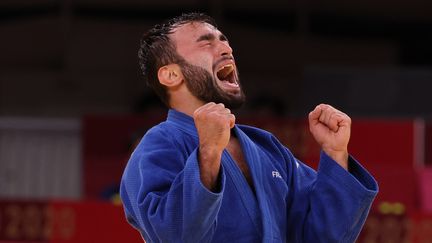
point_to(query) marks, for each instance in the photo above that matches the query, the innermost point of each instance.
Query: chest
(234, 149)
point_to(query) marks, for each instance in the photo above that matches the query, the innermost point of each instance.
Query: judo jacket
(164, 199)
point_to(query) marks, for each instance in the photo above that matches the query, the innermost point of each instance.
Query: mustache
(222, 59)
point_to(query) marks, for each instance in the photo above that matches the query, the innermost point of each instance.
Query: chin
(235, 102)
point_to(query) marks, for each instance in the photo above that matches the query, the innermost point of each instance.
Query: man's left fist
(331, 128)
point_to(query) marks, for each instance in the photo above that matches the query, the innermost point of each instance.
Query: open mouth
(226, 75)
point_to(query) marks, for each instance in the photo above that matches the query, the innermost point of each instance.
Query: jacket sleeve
(330, 205)
(163, 196)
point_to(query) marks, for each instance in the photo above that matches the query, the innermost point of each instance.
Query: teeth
(225, 71)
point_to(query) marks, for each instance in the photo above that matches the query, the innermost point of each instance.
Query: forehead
(190, 32)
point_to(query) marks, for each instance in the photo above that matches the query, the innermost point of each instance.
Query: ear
(170, 75)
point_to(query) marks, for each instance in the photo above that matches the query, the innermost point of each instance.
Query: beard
(203, 86)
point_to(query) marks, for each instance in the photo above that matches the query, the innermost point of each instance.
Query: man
(199, 177)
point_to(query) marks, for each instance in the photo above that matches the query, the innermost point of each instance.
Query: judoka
(200, 177)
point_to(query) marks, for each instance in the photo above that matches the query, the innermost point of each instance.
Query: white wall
(40, 158)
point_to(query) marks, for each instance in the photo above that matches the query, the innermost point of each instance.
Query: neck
(185, 102)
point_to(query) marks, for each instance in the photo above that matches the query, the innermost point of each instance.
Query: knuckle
(196, 113)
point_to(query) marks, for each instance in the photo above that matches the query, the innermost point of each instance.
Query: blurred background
(73, 103)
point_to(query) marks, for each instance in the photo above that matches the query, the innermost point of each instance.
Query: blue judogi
(164, 198)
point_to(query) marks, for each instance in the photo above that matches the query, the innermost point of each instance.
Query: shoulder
(158, 133)
(160, 130)
(158, 149)
(159, 136)
(165, 139)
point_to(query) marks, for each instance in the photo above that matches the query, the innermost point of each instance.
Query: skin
(329, 126)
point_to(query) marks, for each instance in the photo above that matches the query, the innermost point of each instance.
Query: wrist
(209, 154)
(341, 157)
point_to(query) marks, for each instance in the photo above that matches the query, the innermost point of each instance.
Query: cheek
(202, 61)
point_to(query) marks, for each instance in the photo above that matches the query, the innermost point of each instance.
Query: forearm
(340, 202)
(330, 205)
(209, 165)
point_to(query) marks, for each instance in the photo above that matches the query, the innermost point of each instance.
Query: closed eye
(205, 43)
(211, 37)
(206, 38)
(223, 38)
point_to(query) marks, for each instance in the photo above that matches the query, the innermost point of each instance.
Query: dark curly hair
(157, 50)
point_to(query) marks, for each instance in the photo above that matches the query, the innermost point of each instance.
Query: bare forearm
(209, 163)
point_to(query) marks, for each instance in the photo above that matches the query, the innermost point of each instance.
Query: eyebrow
(210, 37)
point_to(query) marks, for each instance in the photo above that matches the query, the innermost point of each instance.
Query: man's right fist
(213, 123)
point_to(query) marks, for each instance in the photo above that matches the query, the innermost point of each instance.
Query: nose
(224, 49)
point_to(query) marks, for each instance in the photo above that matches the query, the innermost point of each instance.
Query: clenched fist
(213, 123)
(331, 128)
